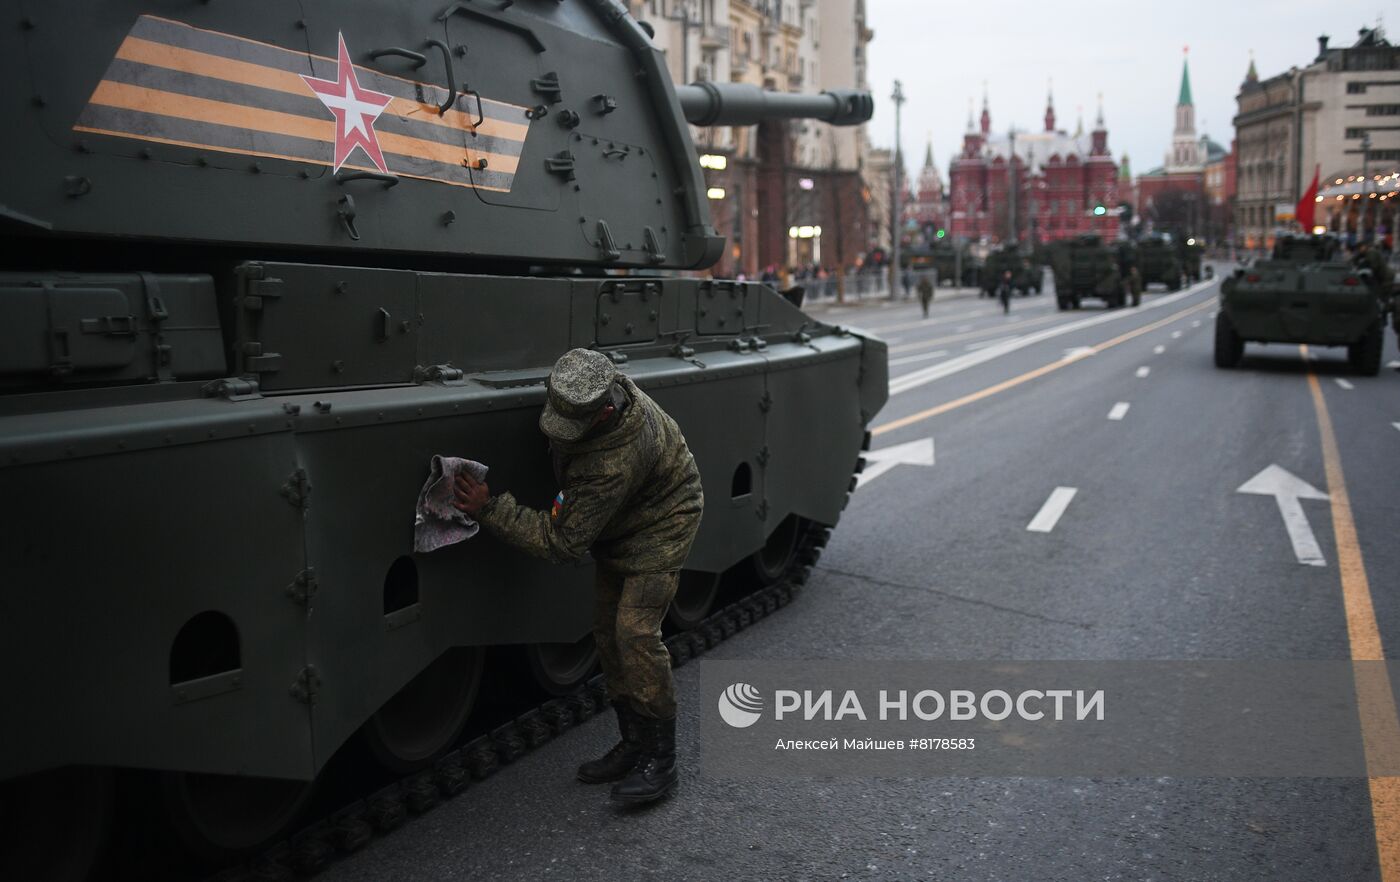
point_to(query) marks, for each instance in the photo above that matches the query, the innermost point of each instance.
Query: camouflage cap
(579, 386)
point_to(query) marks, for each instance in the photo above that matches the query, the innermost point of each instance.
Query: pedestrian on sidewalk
(925, 293)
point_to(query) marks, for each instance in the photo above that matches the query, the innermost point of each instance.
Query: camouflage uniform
(925, 294)
(631, 495)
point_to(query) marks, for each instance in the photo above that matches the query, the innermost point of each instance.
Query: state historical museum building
(1059, 179)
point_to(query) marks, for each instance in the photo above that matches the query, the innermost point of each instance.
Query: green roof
(1185, 96)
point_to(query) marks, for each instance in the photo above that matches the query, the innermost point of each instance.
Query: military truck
(1025, 276)
(1305, 292)
(264, 260)
(1159, 262)
(1085, 266)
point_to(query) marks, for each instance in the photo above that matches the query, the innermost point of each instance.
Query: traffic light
(1099, 210)
(941, 232)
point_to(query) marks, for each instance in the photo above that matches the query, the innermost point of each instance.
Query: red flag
(1305, 212)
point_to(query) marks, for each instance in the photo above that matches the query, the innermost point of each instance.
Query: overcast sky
(1130, 51)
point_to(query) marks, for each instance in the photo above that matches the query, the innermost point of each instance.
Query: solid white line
(962, 329)
(1143, 371)
(971, 359)
(1119, 411)
(1158, 350)
(1049, 514)
(1176, 334)
(1345, 384)
(910, 359)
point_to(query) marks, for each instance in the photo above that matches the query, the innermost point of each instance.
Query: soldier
(630, 495)
(1367, 256)
(925, 292)
(1135, 285)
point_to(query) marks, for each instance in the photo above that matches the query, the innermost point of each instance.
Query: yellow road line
(1033, 374)
(1380, 723)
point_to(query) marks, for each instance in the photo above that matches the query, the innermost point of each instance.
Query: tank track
(355, 825)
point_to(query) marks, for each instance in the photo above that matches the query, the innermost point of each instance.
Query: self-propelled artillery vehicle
(261, 262)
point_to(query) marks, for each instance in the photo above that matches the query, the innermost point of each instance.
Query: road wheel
(695, 597)
(1076, 302)
(1229, 348)
(54, 825)
(424, 719)
(560, 668)
(1365, 354)
(1061, 303)
(771, 562)
(219, 817)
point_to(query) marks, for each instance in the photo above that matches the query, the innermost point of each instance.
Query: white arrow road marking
(1079, 352)
(1345, 384)
(1143, 371)
(1288, 489)
(1049, 514)
(1158, 350)
(1119, 411)
(877, 462)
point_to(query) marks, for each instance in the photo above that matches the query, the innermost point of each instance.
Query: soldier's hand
(470, 494)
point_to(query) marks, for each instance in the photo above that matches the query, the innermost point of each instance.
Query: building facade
(1032, 186)
(784, 192)
(1338, 117)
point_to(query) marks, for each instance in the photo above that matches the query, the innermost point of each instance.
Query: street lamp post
(1365, 184)
(896, 197)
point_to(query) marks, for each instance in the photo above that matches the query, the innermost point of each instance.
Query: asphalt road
(1156, 556)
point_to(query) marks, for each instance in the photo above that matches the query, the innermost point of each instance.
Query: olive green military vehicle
(1192, 253)
(1085, 266)
(1306, 292)
(261, 261)
(956, 264)
(1025, 276)
(1159, 261)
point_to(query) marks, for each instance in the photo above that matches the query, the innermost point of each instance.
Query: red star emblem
(355, 109)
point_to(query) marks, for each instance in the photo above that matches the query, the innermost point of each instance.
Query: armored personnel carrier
(1085, 266)
(1025, 276)
(1159, 262)
(1306, 292)
(262, 262)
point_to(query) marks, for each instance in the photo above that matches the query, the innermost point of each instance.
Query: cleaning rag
(437, 522)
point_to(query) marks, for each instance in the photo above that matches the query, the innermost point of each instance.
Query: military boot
(616, 763)
(655, 772)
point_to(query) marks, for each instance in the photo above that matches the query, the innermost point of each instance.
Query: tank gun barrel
(742, 104)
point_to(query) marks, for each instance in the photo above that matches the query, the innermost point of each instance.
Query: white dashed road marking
(1119, 411)
(1049, 514)
(1143, 371)
(1158, 350)
(1345, 384)
(1176, 335)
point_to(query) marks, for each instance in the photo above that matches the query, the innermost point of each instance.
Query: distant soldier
(630, 495)
(1368, 256)
(1135, 284)
(925, 293)
(1004, 290)
(907, 279)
